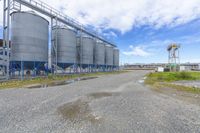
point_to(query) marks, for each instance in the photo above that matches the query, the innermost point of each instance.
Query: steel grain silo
(29, 37)
(116, 57)
(109, 55)
(99, 53)
(66, 46)
(87, 51)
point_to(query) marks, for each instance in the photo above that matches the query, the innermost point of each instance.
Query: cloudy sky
(142, 29)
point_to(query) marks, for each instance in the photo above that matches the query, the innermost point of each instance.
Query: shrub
(184, 75)
(160, 78)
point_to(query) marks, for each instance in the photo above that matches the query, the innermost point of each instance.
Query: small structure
(160, 69)
(184, 68)
(173, 57)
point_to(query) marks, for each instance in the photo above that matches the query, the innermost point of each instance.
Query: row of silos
(97, 53)
(29, 36)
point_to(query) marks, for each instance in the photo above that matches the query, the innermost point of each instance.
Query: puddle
(141, 81)
(98, 95)
(36, 86)
(77, 111)
(87, 78)
(58, 83)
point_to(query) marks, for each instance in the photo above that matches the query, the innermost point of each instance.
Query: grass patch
(172, 76)
(49, 79)
(161, 80)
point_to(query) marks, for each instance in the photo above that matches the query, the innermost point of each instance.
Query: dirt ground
(119, 103)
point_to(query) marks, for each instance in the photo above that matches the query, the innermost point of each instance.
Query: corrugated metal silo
(99, 53)
(29, 37)
(87, 51)
(66, 45)
(116, 57)
(109, 55)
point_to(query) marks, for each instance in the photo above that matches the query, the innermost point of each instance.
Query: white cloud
(137, 51)
(123, 15)
(147, 49)
(110, 34)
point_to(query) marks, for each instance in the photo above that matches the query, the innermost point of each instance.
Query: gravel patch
(195, 84)
(111, 103)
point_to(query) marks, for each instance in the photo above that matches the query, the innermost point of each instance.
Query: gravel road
(195, 83)
(109, 104)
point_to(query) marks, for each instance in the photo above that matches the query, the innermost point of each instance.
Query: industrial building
(59, 44)
(154, 66)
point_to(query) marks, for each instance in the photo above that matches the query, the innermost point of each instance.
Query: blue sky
(141, 30)
(153, 42)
